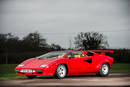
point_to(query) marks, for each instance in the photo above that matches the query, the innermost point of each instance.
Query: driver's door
(78, 64)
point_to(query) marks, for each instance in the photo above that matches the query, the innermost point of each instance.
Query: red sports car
(66, 63)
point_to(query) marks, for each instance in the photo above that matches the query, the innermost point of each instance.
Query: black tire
(104, 70)
(31, 76)
(61, 71)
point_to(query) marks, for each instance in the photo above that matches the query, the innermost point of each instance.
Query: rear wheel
(104, 70)
(31, 76)
(60, 71)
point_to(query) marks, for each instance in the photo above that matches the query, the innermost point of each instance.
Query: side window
(75, 54)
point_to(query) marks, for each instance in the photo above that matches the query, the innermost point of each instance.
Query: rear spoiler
(99, 51)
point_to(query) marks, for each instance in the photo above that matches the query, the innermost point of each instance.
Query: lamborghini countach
(66, 63)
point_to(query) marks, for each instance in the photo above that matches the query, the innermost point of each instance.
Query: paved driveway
(114, 79)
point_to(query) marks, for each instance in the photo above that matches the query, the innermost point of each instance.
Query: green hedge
(119, 55)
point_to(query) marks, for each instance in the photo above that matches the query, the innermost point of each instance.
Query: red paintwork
(76, 66)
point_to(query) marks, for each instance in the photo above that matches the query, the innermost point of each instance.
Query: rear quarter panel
(99, 60)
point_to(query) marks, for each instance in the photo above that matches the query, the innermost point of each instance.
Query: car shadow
(51, 77)
(76, 76)
(73, 76)
(47, 77)
(112, 75)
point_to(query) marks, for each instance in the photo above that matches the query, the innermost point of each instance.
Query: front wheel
(60, 71)
(104, 70)
(31, 76)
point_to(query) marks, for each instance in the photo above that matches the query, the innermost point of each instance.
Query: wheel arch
(64, 65)
(102, 62)
(106, 63)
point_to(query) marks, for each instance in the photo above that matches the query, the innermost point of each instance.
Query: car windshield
(55, 54)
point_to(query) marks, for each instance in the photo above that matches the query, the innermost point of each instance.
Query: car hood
(36, 63)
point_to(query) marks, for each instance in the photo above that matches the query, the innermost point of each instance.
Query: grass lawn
(7, 70)
(119, 67)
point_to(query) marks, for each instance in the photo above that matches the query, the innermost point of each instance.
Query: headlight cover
(44, 66)
(20, 65)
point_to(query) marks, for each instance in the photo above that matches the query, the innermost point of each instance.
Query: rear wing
(99, 51)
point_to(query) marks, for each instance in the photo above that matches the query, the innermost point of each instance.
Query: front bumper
(30, 71)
